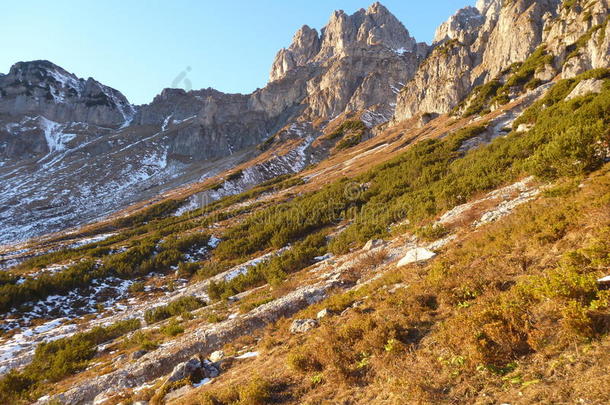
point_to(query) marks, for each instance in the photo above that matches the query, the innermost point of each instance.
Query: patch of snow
(53, 134)
(175, 122)
(322, 258)
(87, 241)
(166, 122)
(214, 241)
(401, 51)
(247, 355)
(372, 119)
(202, 382)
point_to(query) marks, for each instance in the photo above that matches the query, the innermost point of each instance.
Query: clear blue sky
(140, 47)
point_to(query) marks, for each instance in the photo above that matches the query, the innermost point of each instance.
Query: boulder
(302, 325)
(137, 354)
(373, 243)
(191, 369)
(210, 370)
(323, 313)
(585, 87)
(217, 356)
(415, 255)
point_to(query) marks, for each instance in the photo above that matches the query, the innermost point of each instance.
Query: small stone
(217, 356)
(323, 313)
(373, 243)
(303, 325)
(137, 354)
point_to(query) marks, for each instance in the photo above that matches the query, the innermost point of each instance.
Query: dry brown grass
(509, 315)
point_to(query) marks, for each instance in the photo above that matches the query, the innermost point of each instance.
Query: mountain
(477, 44)
(74, 151)
(384, 222)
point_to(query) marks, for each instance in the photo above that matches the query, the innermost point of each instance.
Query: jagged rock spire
(461, 26)
(344, 35)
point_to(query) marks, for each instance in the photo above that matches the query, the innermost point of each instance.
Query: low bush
(175, 307)
(172, 329)
(256, 391)
(59, 358)
(432, 232)
(274, 270)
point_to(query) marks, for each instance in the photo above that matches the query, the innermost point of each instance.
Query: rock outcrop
(357, 62)
(579, 37)
(472, 47)
(43, 88)
(462, 26)
(475, 45)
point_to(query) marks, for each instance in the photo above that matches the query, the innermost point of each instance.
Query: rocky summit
(384, 222)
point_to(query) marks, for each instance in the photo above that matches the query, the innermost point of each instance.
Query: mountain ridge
(184, 131)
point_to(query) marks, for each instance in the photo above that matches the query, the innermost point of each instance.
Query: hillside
(431, 228)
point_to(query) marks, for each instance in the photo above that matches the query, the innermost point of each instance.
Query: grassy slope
(512, 314)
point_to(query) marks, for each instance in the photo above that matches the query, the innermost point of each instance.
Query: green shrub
(175, 307)
(432, 232)
(274, 270)
(155, 211)
(186, 270)
(349, 126)
(172, 329)
(57, 359)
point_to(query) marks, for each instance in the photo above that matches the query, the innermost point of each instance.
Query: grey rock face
(562, 35)
(358, 61)
(516, 35)
(40, 87)
(467, 55)
(489, 8)
(462, 26)
(586, 87)
(305, 45)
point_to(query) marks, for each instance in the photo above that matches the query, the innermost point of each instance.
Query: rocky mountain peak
(305, 45)
(43, 73)
(43, 88)
(461, 26)
(345, 35)
(376, 26)
(489, 8)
